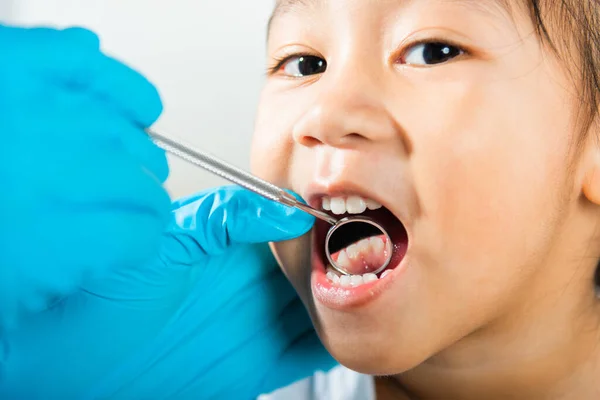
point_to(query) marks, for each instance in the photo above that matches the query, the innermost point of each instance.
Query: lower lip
(347, 298)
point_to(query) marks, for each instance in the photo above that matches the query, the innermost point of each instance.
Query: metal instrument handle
(234, 174)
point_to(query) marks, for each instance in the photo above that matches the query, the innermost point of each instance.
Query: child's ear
(591, 181)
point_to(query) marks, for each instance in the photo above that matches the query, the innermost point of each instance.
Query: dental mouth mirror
(370, 250)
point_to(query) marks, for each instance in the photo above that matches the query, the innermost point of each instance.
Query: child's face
(468, 141)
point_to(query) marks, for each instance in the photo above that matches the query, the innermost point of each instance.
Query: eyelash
(281, 61)
(431, 40)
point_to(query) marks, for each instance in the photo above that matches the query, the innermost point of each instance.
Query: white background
(205, 56)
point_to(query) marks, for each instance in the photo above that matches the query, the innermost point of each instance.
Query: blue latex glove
(212, 317)
(102, 313)
(80, 183)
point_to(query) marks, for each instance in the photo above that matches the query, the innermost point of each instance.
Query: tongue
(367, 255)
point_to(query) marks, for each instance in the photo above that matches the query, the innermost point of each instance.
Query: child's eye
(431, 53)
(306, 65)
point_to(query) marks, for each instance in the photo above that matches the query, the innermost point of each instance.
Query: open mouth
(361, 248)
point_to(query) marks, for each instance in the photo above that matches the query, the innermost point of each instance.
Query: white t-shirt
(338, 384)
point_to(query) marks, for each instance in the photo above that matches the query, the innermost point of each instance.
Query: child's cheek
(490, 184)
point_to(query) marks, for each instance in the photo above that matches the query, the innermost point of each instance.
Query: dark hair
(572, 29)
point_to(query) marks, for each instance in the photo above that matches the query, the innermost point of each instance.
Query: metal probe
(268, 190)
(235, 175)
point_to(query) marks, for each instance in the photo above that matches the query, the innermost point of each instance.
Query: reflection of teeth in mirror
(367, 249)
(352, 251)
(363, 245)
(343, 261)
(376, 244)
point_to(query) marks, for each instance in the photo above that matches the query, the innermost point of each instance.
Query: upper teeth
(350, 205)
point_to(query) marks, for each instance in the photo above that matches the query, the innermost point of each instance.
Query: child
(469, 128)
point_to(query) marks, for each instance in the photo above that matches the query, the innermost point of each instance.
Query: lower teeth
(353, 280)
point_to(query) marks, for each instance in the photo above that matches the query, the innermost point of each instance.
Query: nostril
(309, 141)
(354, 137)
(341, 141)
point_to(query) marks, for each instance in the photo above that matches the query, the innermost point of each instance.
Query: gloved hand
(80, 182)
(81, 193)
(211, 317)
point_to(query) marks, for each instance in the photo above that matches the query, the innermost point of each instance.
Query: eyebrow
(283, 7)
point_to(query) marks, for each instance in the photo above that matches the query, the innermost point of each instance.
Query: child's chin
(374, 359)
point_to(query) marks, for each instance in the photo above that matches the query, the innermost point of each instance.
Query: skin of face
(478, 156)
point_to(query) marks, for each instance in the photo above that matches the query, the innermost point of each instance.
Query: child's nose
(346, 113)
